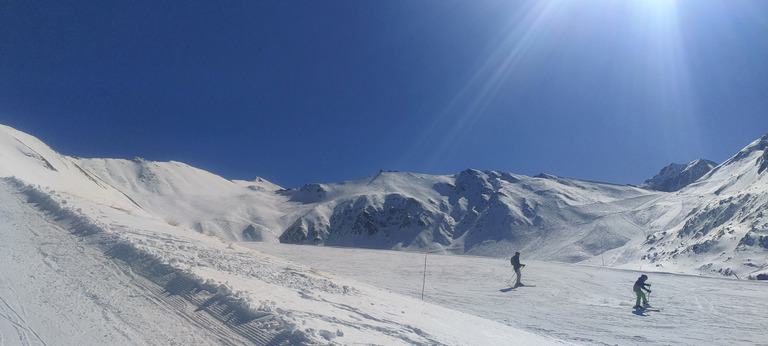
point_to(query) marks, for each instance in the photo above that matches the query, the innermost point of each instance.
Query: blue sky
(304, 92)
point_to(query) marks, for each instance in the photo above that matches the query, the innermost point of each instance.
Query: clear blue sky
(304, 92)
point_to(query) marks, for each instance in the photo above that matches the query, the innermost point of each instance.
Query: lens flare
(633, 53)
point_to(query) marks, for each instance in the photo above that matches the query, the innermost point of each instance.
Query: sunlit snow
(99, 251)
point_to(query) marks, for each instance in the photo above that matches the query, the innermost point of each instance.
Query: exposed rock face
(677, 176)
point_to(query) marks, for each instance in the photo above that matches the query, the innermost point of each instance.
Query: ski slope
(77, 273)
(114, 278)
(116, 252)
(576, 303)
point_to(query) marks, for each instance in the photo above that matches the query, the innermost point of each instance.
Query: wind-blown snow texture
(96, 249)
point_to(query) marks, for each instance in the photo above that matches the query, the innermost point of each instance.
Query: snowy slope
(60, 288)
(127, 280)
(103, 251)
(719, 223)
(189, 197)
(34, 162)
(99, 275)
(582, 304)
(86, 262)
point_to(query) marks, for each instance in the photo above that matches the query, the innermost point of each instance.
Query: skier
(516, 265)
(639, 286)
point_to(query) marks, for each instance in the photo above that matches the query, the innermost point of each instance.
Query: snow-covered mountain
(474, 212)
(676, 176)
(196, 199)
(78, 273)
(718, 221)
(87, 263)
(125, 252)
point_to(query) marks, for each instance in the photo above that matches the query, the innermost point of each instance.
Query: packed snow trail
(59, 288)
(581, 304)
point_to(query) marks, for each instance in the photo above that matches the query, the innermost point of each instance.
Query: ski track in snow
(89, 298)
(581, 304)
(12, 323)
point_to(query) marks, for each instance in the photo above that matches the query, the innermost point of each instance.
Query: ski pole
(509, 282)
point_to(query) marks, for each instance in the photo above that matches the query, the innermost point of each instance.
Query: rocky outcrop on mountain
(677, 176)
(469, 212)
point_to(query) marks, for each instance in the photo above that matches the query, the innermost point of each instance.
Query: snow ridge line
(77, 224)
(210, 306)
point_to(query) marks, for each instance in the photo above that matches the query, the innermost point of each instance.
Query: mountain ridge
(677, 176)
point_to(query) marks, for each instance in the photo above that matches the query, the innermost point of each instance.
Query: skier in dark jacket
(639, 286)
(516, 265)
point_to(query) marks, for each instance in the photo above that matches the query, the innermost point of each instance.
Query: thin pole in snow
(424, 282)
(602, 252)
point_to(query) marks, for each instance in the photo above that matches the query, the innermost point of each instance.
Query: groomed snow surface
(114, 279)
(575, 303)
(80, 273)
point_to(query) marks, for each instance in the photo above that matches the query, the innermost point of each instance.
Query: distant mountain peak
(760, 144)
(676, 176)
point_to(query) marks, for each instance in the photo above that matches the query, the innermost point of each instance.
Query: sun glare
(568, 41)
(509, 49)
(665, 74)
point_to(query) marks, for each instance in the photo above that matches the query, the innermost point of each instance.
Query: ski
(510, 288)
(647, 309)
